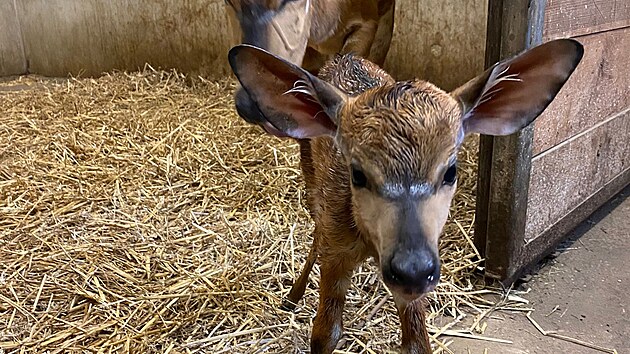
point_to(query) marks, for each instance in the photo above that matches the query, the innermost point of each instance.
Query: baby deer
(380, 162)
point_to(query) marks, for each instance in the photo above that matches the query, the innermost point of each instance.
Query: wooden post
(505, 162)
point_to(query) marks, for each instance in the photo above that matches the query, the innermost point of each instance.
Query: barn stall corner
(537, 185)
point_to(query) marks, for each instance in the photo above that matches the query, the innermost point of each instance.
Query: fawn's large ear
(512, 93)
(295, 102)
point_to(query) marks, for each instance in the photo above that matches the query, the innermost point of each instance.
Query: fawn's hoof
(288, 305)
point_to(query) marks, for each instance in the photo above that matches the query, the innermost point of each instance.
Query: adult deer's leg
(335, 279)
(384, 32)
(360, 39)
(297, 290)
(415, 338)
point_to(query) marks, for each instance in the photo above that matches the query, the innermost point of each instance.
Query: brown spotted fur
(376, 156)
(411, 134)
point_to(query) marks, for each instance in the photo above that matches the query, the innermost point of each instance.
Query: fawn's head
(400, 141)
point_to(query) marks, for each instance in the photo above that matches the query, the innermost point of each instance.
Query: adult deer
(309, 32)
(383, 170)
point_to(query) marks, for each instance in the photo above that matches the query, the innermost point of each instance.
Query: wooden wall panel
(596, 90)
(570, 18)
(442, 41)
(12, 61)
(567, 175)
(580, 143)
(92, 36)
(504, 161)
(439, 40)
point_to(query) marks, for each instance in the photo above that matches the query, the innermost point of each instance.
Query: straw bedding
(139, 214)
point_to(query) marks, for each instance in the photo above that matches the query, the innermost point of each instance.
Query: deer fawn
(381, 169)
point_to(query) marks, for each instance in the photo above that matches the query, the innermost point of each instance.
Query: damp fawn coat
(379, 162)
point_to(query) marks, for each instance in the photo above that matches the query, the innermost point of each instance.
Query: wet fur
(404, 147)
(400, 139)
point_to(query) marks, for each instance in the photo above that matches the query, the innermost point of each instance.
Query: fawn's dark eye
(358, 177)
(450, 176)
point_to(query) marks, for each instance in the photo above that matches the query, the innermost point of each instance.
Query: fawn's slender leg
(297, 290)
(298, 287)
(328, 326)
(415, 338)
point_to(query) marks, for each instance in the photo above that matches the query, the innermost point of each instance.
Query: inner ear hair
(512, 93)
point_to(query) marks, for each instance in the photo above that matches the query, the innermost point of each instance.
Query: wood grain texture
(89, 37)
(492, 54)
(439, 40)
(12, 61)
(570, 18)
(442, 41)
(525, 203)
(596, 90)
(548, 241)
(569, 174)
(505, 164)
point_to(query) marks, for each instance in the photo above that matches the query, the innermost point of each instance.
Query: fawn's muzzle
(412, 271)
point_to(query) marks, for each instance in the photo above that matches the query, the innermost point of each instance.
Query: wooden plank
(567, 175)
(596, 90)
(581, 141)
(484, 172)
(570, 18)
(12, 61)
(513, 25)
(442, 41)
(91, 36)
(543, 245)
(509, 176)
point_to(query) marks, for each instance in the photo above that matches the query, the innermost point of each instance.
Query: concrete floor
(583, 292)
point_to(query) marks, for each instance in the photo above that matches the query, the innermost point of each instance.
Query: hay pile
(139, 214)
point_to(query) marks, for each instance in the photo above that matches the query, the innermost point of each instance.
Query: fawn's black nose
(417, 270)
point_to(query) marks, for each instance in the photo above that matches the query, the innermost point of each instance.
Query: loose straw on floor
(138, 213)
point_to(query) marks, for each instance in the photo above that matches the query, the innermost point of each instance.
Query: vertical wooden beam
(493, 35)
(505, 162)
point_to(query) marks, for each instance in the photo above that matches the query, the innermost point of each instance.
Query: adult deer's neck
(325, 17)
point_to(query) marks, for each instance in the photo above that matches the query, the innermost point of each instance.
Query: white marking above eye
(395, 190)
(420, 189)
